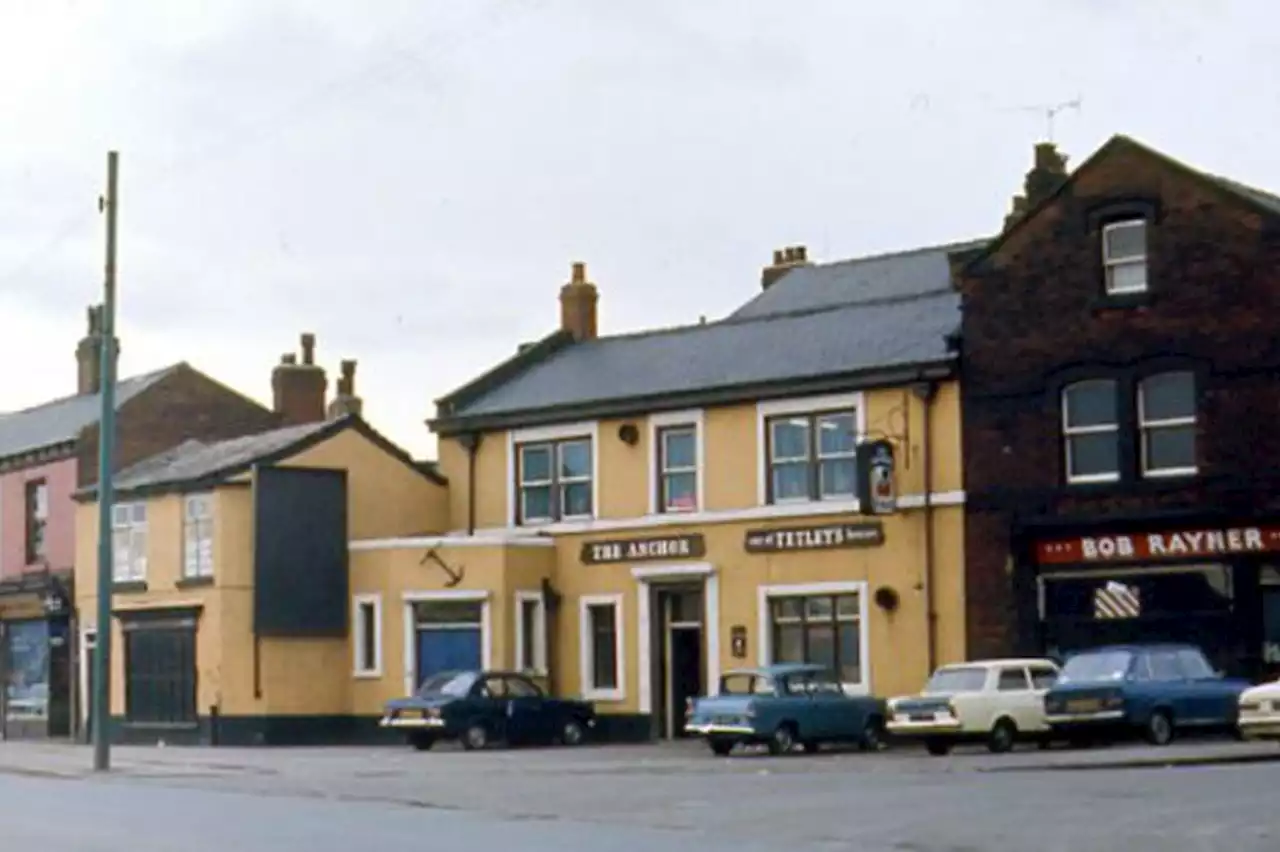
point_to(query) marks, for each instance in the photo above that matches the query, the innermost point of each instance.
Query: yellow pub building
(624, 516)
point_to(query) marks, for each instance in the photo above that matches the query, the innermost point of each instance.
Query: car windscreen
(1092, 668)
(969, 679)
(456, 684)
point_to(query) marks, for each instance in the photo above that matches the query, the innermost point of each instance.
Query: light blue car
(783, 706)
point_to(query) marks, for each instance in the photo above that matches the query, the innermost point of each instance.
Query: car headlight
(750, 712)
(1115, 701)
(433, 713)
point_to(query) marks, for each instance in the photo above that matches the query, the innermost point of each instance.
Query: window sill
(606, 695)
(1172, 473)
(193, 582)
(1122, 301)
(129, 586)
(367, 674)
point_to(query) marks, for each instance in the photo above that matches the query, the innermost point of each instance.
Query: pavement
(1188, 796)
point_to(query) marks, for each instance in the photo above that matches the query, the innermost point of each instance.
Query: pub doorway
(678, 653)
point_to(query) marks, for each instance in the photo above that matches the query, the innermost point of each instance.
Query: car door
(1168, 685)
(488, 704)
(1013, 697)
(529, 713)
(1209, 700)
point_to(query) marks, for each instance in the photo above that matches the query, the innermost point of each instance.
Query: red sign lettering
(1177, 544)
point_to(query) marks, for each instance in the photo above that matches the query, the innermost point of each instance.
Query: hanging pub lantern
(877, 493)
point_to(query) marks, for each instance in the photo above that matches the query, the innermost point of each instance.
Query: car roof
(1138, 647)
(1002, 661)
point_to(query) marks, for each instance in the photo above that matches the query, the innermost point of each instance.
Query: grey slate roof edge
(217, 476)
(879, 377)
(505, 371)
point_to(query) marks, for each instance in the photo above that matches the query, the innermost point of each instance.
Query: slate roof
(61, 420)
(874, 313)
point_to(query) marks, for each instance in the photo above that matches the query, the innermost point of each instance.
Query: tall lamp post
(109, 204)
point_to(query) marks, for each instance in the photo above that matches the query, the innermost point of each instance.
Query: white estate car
(1260, 711)
(993, 701)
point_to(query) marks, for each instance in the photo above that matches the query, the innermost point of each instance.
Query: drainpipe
(470, 442)
(925, 391)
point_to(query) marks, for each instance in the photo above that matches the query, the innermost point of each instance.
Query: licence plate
(1084, 705)
(410, 714)
(921, 717)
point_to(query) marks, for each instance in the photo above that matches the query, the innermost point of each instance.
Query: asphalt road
(631, 798)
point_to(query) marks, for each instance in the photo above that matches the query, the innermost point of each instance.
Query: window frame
(1144, 427)
(813, 458)
(553, 440)
(661, 425)
(1068, 432)
(829, 404)
(538, 666)
(133, 569)
(35, 492)
(203, 525)
(1110, 263)
(586, 648)
(134, 680)
(359, 650)
(769, 594)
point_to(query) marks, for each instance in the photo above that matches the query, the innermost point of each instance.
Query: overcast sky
(411, 179)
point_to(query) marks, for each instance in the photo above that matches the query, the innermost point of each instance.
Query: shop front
(36, 658)
(1217, 586)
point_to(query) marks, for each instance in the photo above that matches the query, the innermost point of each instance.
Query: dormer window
(1124, 257)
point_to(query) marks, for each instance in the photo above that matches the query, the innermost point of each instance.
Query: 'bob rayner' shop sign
(644, 549)
(1177, 544)
(825, 537)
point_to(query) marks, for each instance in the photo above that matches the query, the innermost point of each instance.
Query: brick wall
(1034, 313)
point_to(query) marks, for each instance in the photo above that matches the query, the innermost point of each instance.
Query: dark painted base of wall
(325, 731)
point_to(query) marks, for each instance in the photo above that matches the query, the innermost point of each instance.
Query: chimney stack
(89, 354)
(784, 260)
(578, 300)
(1048, 172)
(299, 388)
(345, 400)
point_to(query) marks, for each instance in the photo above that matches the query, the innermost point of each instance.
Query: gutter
(926, 391)
(470, 441)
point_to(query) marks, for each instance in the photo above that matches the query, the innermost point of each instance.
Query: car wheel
(937, 748)
(422, 742)
(572, 733)
(1160, 728)
(872, 736)
(720, 748)
(810, 746)
(475, 737)
(1003, 737)
(783, 739)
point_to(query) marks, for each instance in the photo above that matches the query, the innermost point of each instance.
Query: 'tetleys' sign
(1179, 544)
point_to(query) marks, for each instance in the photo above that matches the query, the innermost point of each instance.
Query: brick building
(1120, 354)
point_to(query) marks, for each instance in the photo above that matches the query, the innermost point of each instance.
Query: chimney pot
(802, 253)
(778, 257)
(289, 358)
(579, 273)
(308, 348)
(578, 300)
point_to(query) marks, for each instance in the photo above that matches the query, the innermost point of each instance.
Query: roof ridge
(900, 253)
(150, 374)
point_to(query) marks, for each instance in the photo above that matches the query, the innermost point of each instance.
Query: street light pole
(106, 446)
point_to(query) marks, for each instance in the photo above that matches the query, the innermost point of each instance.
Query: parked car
(997, 702)
(1156, 690)
(1260, 712)
(783, 706)
(483, 707)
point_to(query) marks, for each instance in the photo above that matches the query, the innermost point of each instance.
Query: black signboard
(821, 537)
(644, 549)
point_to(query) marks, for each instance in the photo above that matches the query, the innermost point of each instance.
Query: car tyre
(1159, 731)
(422, 742)
(783, 739)
(572, 733)
(937, 748)
(872, 736)
(475, 737)
(1003, 737)
(720, 748)
(810, 746)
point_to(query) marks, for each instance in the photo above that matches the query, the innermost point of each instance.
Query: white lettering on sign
(1186, 543)
(1107, 547)
(614, 551)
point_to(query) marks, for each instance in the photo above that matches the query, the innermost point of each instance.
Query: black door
(686, 671)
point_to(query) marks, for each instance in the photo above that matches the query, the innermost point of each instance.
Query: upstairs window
(1167, 420)
(678, 469)
(197, 536)
(812, 456)
(1124, 257)
(555, 479)
(37, 499)
(129, 540)
(1091, 431)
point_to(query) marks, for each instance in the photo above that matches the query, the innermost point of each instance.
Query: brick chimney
(1048, 172)
(578, 300)
(345, 400)
(299, 388)
(89, 354)
(784, 260)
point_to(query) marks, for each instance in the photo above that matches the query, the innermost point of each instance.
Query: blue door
(442, 649)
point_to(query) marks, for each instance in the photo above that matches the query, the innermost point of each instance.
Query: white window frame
(859, 587)
(518, 438)
(1146, 426)
(538, 665)
(585, 659)
(1110, 263)
(813, 406)
(133, 568)
(203, 527)
(1069, 432)
(658, 425)
(358, 604)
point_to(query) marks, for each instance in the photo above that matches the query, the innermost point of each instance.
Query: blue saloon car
(483, 707)
(1152, 690)
(783, 706)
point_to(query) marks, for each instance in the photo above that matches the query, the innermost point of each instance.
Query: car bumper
(432, 724)
(711, 729)
(1098, 719)
(1260, 727)
(920, 728)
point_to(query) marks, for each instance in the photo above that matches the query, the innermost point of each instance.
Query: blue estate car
(783, 706)
(480, 707)
(1154, 690)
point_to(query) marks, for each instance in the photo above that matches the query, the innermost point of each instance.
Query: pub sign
(877, 494)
